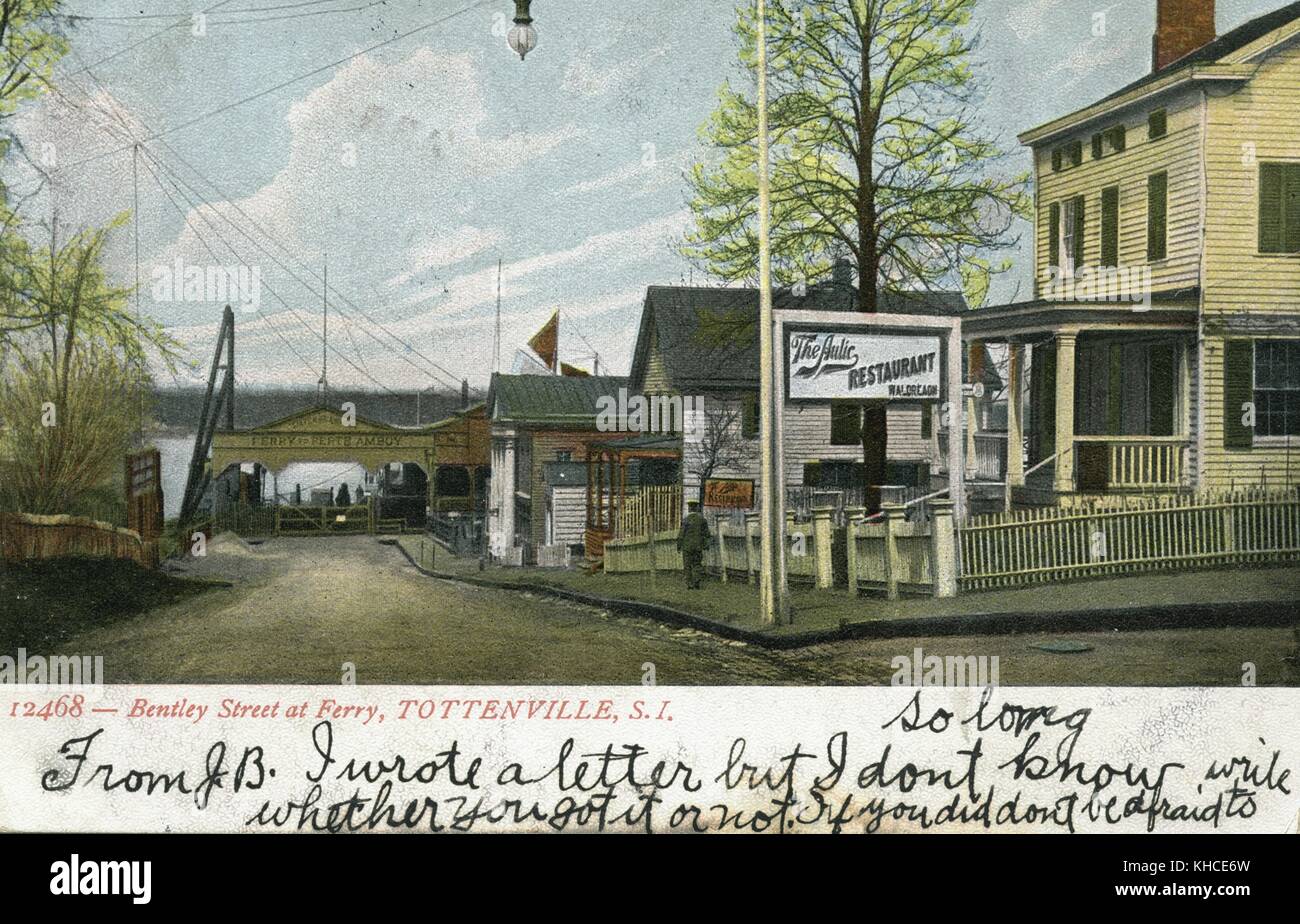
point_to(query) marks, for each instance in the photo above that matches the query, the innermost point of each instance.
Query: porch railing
(1133, 462)
(654, 507)
(990, 455)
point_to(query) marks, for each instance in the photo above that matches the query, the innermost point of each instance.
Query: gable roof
(552, 400)
(1222, 47)
(317, 420)
(708, 337)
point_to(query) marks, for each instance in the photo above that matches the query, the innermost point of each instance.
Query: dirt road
(298, 610)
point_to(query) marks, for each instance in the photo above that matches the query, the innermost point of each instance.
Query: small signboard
(730, 493)
(829, 365)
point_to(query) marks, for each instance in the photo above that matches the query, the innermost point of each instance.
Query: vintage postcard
(751, 416)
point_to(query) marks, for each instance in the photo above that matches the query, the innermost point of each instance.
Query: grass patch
(45, 603)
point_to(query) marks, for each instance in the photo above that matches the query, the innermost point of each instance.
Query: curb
(1247, 614)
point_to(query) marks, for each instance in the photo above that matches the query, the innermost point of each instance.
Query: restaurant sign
(731, 493)
(824, 365)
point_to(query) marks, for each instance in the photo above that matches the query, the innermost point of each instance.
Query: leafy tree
(877, 157)
(55, 453)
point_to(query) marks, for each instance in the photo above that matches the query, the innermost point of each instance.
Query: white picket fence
(1177, 532)
(733, 552)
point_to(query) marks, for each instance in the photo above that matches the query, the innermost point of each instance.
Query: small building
(537, 420)
(703, 342)
(1162, 346)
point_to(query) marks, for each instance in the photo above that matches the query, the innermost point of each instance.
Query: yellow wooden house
(1161, 350)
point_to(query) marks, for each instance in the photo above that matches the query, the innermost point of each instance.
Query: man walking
(691, 542)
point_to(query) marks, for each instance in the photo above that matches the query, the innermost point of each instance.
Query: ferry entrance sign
(837, 356)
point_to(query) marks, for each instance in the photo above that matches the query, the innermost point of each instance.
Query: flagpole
(771, 593)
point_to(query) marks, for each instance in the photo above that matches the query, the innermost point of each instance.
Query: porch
(1101, 399)
(633, 486)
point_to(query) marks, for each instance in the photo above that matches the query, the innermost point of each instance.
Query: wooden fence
(660, 505)
(25, 536)
(1179, 532)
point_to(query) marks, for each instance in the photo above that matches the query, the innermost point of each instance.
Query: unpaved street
(299, 609)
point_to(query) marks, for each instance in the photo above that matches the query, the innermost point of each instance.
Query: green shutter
(1157, 211)
(1271, 182)
(1097, 147)
(1238, 389)
(927, 421)
(812, 474)
(1079, 224)
(1161, 383)
(1110, 226)
(1157, 124)
(1291, 208)
(1054, 235)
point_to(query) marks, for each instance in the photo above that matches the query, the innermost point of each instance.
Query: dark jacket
(694, 536)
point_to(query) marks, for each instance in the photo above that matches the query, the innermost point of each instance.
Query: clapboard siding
(807, 438)
(1231, 469)
(1258, 123)
(1262, 114)
(1178, 153)
(569, 513)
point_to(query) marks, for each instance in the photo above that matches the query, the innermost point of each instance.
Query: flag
(573, 371)
(546, 342)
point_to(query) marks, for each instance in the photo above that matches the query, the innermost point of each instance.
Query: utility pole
(325, 339)
(772, 594)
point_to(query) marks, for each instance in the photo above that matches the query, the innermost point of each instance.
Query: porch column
(975, 373)
(1065, 343)
(507, 494)
(1015, 412)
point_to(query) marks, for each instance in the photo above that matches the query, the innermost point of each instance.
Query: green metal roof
(553, 400)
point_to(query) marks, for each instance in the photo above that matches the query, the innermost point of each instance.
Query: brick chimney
(1182, 27)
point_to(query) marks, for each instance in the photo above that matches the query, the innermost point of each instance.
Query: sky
(401, 144)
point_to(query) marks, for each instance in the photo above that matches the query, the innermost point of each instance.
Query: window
(1098, 147)
(1157, 213)
(1071, 246)
(1118, 138)
(1074, 151)
(749, 417)
(1279, 208)
(1277, 387)
(1110, 226)
(846, 423)
(1058, 160)
(564, 455)
(1157, 125)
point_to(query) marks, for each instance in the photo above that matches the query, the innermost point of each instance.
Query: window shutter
(1110, 226)
(1238, 389)
(1157, 124)
(812, 474)
(1078, 230)
(1054, 235)
(1097, 148)
(1271, 182)
(1291, 208)
(927, 421)
(1157, 207)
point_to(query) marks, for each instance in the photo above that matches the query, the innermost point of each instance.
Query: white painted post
(1015, 473)
(894, 514)
(853, 519)
(956, 425)
(823, 568)
(751, 523)
(943, 549)
(1065, 343)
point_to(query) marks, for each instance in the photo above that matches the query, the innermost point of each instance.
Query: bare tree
(721, 444)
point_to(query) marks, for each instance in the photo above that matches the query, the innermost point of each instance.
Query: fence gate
(144, 494)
